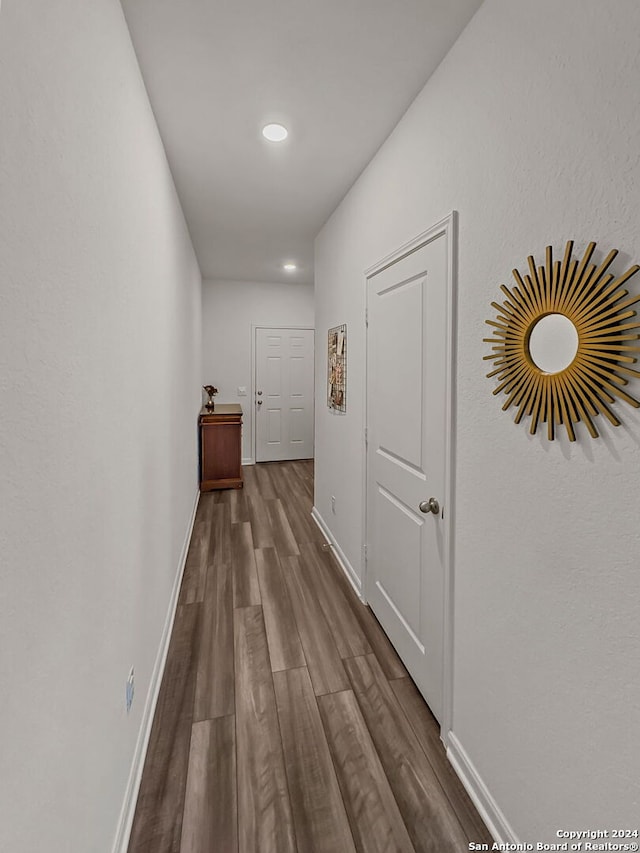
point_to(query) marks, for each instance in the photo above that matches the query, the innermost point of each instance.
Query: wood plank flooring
(286, 723)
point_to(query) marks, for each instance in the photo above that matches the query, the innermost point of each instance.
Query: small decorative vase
(211, 390)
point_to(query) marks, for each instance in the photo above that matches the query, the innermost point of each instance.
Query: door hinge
(366, 317)
(365, 551)
(366, 437)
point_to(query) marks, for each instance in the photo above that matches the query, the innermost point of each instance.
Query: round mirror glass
(553, 343)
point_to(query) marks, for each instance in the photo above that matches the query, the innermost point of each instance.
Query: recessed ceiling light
(275, 132)
(289, 267)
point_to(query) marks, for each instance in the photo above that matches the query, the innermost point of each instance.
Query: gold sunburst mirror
(564, 341)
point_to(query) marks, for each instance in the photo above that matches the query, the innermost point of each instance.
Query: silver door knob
(259, 393)
(259, 402)
(431, 505)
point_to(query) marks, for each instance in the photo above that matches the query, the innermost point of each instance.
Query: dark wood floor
(285, 720)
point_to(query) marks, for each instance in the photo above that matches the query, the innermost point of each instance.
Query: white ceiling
(338, 73)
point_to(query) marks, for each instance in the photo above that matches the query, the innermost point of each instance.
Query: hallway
(285, 720)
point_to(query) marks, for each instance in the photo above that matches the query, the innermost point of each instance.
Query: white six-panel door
(284, 394)
(407, 417)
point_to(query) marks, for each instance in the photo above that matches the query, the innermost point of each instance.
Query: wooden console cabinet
(221, 447)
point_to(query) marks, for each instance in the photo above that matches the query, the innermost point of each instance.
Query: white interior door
(284, 394)
(407, 418)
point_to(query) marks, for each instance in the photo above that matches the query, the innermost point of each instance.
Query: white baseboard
(489, 810)
(127, 812)
(344, 564)
(249, 461)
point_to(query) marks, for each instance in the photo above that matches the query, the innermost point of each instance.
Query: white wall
(228, 310)
(530, 128)
(99, 395)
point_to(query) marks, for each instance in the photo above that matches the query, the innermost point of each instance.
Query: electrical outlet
(130, 689)
(333, 504)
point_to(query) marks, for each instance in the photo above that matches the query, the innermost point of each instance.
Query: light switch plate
(242, 391)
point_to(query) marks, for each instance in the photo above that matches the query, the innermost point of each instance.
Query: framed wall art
(337, 369)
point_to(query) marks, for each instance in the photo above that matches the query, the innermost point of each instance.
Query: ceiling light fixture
(289, 267)
(275, 132)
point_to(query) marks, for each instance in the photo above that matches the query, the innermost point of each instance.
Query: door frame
(447, 227)
(254, 353)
